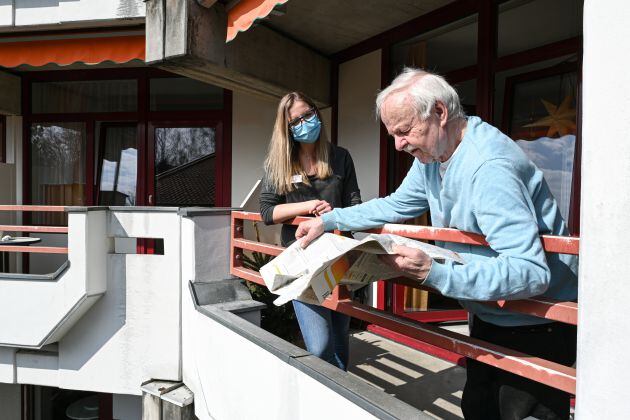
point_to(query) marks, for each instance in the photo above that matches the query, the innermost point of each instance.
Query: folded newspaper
(311, 274)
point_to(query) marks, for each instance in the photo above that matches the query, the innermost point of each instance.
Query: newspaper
(311, 274)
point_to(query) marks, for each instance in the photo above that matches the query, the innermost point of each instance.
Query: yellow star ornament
(561, 119)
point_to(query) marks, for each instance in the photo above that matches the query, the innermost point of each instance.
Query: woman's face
(298, 109)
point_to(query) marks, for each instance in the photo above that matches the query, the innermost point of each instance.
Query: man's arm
(408, 201)
(506, 216)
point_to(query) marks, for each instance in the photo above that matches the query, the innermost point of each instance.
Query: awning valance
(93, 50)
(242, 16)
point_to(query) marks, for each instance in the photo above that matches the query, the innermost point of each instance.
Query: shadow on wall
(100, 323)
(420, 380)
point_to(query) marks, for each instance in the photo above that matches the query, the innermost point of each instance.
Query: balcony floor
(423, 381)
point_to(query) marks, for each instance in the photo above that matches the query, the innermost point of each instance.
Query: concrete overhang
(187, 38)
(291, 47)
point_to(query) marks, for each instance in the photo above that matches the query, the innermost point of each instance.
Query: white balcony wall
(42, 310)
(227, 364)
(54, 12)
(132, 334)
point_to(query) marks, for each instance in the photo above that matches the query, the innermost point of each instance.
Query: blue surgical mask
(308, 131)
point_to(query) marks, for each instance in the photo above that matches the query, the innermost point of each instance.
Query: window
(58, 167)
(85, 96)
(527, 24)
(181, 93)
(185, 166)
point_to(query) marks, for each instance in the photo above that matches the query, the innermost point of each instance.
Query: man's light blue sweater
(490, 188)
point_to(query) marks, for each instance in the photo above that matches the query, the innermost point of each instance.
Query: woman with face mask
(307, 175)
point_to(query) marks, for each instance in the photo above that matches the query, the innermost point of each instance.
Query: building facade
(155, 104)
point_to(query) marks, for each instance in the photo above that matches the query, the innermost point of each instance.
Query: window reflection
(57, 167)
(118, 166)
(185, 166)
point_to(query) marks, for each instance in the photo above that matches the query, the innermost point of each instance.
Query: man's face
(422, 139)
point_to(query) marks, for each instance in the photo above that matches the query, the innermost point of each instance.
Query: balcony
(157, 293)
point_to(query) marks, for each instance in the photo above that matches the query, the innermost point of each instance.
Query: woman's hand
(319, 207)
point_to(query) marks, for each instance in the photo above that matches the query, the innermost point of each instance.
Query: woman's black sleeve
(351, 192)
(268, 201)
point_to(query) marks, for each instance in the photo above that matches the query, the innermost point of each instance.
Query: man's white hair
(424, 89)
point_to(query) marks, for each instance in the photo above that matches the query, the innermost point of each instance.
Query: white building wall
(358, 130)
(47, 12)
(604, 331)
(252, 125)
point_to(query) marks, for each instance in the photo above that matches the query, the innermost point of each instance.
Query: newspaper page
(311, 274)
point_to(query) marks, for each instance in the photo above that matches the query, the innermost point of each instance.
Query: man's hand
(309, 231)
(411, 262)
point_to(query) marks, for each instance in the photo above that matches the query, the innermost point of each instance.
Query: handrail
(32, 208)
(34, 229)
(34, 249)
(550, 373)
(560, 311)
(551, 243)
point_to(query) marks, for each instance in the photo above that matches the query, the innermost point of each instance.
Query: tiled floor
(425, 382)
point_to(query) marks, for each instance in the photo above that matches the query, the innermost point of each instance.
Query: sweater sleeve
(351, 192)
(505, 215)
(408, 201)
(268, 200)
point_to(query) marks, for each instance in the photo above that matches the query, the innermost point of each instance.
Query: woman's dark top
(340, 190)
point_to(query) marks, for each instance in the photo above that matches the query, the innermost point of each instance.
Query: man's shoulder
(488, 143)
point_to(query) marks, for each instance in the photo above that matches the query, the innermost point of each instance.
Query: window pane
(185, 166)
(447, 48)
(85, 96)
(528, 24)
(118, 166)
(182, 93)
(57, 167)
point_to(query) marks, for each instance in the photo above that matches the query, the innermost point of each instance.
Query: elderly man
(472, 177)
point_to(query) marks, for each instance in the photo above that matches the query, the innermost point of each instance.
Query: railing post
(236, 254)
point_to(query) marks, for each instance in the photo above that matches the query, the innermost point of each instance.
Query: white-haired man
(474, 178)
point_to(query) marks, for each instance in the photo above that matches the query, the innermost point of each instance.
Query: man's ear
(442, 113)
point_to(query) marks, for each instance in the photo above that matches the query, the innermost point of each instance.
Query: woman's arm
(282, 212)
(274, 208)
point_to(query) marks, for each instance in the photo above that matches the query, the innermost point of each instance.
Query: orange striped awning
(92, 50)
(242, 16)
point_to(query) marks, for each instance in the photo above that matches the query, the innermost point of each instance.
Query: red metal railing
(33, 229)
(544, 371)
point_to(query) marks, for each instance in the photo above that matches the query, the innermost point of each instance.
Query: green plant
(278, 320)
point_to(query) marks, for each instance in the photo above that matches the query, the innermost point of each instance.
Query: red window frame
(143, 117)
(3, 139)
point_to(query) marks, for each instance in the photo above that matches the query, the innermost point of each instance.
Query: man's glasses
(296, 122)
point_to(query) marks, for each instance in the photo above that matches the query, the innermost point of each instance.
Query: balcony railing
(33, 229)
(534, 368)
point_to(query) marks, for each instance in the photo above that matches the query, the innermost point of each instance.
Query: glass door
(117, 164)
(57, 168)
